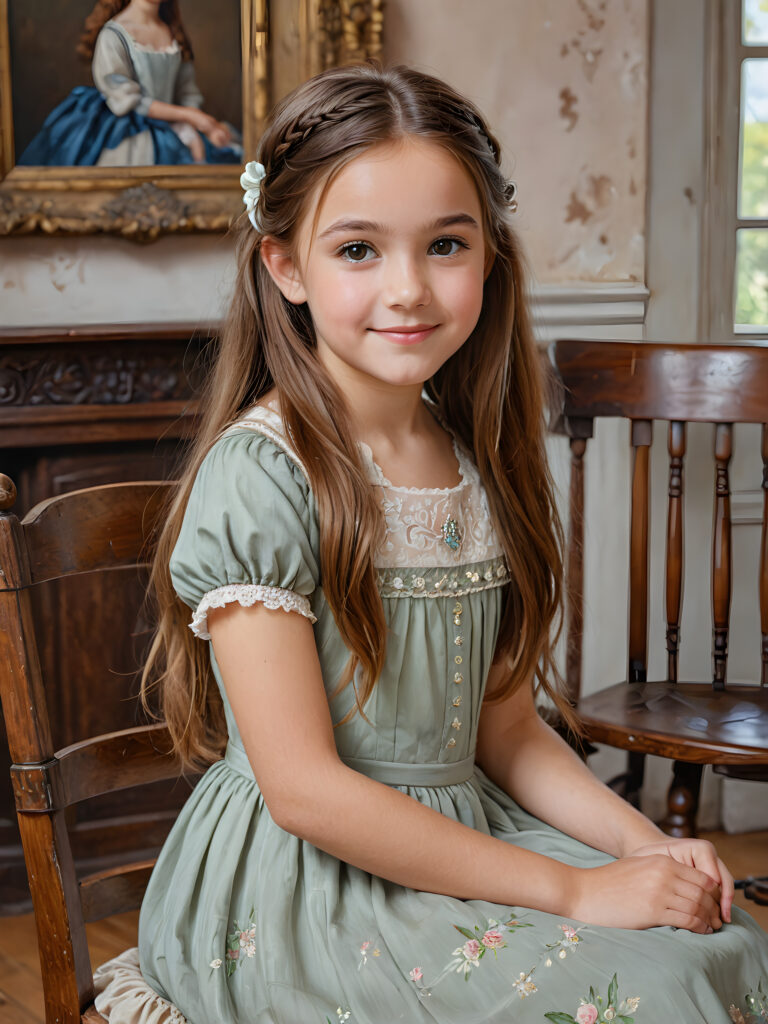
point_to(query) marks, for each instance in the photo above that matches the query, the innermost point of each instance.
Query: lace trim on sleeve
(247, 594)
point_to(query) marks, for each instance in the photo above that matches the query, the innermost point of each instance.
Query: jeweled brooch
(451, 534)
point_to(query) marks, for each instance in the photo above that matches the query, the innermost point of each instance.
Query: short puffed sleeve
(249, 532)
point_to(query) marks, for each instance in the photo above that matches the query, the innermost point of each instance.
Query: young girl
(366, 534)
(145, 107)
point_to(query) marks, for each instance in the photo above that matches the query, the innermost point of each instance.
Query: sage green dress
(244, 923)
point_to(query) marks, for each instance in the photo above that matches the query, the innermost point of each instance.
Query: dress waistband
(393, 773)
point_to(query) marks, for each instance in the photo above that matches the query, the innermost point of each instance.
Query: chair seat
(685, 721)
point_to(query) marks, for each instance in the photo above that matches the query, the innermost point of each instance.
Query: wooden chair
(692, 722)
(108, 527)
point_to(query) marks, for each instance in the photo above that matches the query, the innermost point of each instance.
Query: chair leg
(630, 783)
(683, 801)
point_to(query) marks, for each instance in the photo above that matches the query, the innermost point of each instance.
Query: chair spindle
(675, 528)
(721, 554)
(764, 565)
(575, 590)
(641, 437)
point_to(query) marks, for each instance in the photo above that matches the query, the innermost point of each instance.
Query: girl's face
(391, 264)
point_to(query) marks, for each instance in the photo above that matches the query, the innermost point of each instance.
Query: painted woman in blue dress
(144, 107)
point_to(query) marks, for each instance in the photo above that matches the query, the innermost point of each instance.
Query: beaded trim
(453, 582)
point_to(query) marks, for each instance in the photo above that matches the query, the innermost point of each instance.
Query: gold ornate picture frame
(283, 42)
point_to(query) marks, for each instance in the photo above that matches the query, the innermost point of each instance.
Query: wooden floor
(21, 998)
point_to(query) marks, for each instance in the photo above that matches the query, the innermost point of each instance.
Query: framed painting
(116, 120)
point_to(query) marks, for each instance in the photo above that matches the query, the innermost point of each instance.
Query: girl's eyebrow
(376, 228)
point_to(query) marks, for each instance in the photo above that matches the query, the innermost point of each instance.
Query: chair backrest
(99, 528)
(680, 383)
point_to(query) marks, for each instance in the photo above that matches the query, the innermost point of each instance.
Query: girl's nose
(406, 285)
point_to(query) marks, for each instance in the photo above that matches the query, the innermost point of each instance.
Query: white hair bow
(250, 181)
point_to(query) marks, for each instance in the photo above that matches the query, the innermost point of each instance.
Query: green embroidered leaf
(613, 992)
(560, 1018)
(625, 1020)
(592, 996)
(465, 932)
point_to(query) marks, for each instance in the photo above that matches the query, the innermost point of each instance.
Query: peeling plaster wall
(100, 280)
(564, 85)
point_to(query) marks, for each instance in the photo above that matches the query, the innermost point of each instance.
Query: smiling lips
(406, 335)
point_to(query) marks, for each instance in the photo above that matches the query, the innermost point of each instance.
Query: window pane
(756, 22)
(752, 277)
(753, 190)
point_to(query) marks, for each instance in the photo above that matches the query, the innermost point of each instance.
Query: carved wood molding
(72, 377)
(350, 30)
(137, 381)
(141, 213)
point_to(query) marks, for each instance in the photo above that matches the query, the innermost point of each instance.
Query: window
(735, 296)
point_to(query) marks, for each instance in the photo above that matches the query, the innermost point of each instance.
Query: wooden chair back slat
(721, 554)
(118, 760)
(641, 437)
(663, 382)
(763, 566)
(675, 545)
(93, 767)
(115, 891)
(105, 527)
(575, 569)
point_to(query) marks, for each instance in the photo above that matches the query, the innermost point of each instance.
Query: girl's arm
(272, 676)
(536, 767)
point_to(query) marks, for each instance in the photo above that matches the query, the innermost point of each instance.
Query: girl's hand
(647, 891)
(696, 853)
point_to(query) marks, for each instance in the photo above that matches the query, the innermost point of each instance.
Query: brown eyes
(356, 252)
(361, 252)
(445, 246)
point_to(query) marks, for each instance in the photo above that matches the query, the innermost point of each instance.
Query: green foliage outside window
(752, 258)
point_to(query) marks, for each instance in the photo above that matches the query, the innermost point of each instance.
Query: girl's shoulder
(263, 421)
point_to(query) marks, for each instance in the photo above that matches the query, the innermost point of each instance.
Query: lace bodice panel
(425, 527)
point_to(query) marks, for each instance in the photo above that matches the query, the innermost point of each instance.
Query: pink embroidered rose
(233, 954)
(493, 940)
(416, 974)
(364, 947)
(567, 931)
(471, 949)
(587, 1013)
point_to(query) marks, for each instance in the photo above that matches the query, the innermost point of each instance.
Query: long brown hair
(106, 9)
(490, 392)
